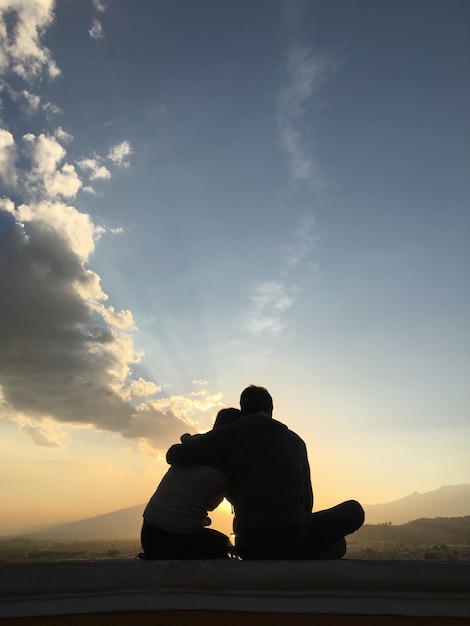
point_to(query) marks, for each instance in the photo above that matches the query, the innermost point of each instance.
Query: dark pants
(204, 544)
(322, 538)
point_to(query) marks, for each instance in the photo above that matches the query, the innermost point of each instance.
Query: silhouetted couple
(262, 468)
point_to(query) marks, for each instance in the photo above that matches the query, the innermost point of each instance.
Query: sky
(199, 196)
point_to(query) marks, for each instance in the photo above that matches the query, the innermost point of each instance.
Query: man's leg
(329, 527)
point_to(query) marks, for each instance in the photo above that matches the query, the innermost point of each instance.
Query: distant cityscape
(429, 526)
(442, 539)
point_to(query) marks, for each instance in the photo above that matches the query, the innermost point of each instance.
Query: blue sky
(196, 196)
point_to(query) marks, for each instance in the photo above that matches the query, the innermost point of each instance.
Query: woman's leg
(205, 544)
(209, 544)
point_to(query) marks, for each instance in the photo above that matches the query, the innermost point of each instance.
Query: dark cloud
(60, 357)
(156, 427)
(55, 360)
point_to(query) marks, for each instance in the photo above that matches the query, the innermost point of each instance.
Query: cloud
(97, 171)
(51, 110)
(22, 50)
(7, 158)
(119, 319)
(29, 103)
(305, 240)
(94, 165)
(62, 135)
(57, 360)
(305, 72)
(168, 418)
(47, 434)
(76, 229)
(46, 175)
(88, 189)
(100, 5)
(67, 355)
(142, 388)
(119, 153)
(96, 30)
(156, 425)
(268, 304)
(32, 100)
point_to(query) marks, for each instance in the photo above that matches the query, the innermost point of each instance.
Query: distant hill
(439, 530)
(123, 524)
(450, 501)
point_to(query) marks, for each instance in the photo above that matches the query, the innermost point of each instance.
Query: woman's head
(225, 416)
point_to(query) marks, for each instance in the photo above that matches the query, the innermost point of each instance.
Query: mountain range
(449, 501)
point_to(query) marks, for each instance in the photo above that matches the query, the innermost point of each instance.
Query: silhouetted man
(268, 483)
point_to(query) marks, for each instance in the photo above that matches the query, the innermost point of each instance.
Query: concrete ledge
(400, 588)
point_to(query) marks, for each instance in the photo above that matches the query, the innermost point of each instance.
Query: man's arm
(207, 449)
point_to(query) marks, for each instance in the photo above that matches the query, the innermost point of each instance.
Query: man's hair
(225, 416)
(255, 399)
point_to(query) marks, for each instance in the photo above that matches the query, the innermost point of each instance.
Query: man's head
(225, 416)
(255, 400)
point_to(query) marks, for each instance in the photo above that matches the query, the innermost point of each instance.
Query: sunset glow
(197, 196)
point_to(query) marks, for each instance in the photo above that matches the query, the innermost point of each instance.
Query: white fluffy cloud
(97, 171)
(96, 30)
(33, 101)
(47, 175)
(76, 228)
(7, 158)
(119, 153)
(21, 47)
(30, 103)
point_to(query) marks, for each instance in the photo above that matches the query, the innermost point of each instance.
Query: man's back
(266, 467)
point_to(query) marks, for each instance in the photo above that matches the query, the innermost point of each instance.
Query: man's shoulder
(267, 426)
(286, 427)
(293, 436)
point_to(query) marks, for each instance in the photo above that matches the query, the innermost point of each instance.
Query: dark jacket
(266, 467)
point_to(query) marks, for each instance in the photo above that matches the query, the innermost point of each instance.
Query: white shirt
(183, 498)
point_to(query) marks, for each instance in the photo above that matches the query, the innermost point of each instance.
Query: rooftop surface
(388, 588)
